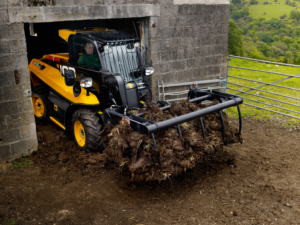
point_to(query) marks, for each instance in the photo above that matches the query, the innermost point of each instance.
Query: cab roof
(100, 34)
(109, 36)
(65, 33)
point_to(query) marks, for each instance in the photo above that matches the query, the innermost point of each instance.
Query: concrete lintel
(72, 13)
(201, 2)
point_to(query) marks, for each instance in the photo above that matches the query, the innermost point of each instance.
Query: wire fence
(260, 94)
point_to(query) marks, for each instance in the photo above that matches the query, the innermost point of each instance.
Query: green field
(272, 10)
(264, 77)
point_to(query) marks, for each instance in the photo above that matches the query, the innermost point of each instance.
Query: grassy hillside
(272, 10)
(264, 77)
(271, 37)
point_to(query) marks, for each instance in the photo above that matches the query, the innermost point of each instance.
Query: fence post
(227, 73)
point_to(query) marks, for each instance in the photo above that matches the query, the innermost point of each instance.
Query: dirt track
(262, 187)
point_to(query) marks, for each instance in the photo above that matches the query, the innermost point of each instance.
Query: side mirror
(69, 77)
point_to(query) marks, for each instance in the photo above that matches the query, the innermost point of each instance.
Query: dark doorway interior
(47, 39)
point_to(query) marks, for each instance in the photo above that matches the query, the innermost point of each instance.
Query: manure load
(176, 151)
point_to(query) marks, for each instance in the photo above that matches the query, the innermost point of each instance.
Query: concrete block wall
(187, 42)
(17, 124)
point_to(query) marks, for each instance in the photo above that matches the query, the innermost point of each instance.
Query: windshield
(122, 58)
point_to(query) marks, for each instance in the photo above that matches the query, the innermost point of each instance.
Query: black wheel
(40, 105)
(86, 128)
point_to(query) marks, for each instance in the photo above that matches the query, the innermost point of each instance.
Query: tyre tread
(90, 121)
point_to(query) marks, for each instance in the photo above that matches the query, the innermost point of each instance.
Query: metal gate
(268, 99)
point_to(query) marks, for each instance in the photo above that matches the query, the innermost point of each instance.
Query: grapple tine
(157, 154)
(240, 119)
(153, 138)
(202, 127)
(178, 128)
(223, 127)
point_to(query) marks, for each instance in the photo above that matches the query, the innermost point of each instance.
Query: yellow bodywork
(57, 123)
(53, 78)
(65, 59)
(64, 34)
(63, 56)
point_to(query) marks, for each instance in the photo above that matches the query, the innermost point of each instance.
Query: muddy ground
(261, 186)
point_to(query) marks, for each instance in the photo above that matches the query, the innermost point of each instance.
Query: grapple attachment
(144, 126)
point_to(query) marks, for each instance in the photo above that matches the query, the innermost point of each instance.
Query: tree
(297, 59)
(281, 35)
(295, 45)
(281, 45)
(287, 39)
(244, 11)
(262, 46)
(255, 28)
(253, 2)
(251, 33)
(276, 38)
(255, 39)
(258, 23)
(282, 30)
(236, 1)
(283, 16)
(289, 57)
(295, 14)
(276, 23)
(265, 36)
(270, 53)
(298, 31)
(233, 8)
(236, 15)
(293, 50)
(235, 41)
(277, 51)
(254, 54)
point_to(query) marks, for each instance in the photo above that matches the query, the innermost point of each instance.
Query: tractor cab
(101, 50)
(107, 49)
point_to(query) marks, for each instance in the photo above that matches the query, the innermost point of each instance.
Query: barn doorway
(42, 38)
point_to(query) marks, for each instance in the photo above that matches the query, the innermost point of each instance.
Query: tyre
(40, 106)
(86, 128)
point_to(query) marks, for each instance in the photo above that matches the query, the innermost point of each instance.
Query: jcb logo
(63, 68)
(55, 108)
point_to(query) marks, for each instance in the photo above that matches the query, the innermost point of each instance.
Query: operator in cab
(89, 58)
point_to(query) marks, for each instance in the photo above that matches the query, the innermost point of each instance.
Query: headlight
(86, 82)
(149, 71)
(136, 44)
(106, 47)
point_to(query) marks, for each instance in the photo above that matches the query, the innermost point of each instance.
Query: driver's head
(89, 48)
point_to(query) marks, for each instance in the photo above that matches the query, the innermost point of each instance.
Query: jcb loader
(100, 80)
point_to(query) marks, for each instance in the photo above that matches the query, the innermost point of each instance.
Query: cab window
(83, 53)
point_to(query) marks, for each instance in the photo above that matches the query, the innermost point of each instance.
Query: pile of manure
(136, 154)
